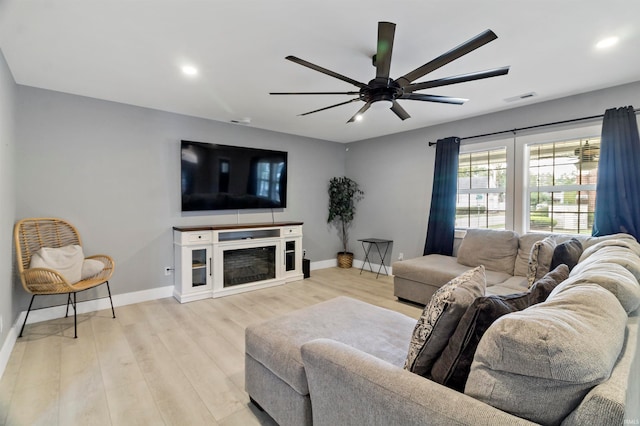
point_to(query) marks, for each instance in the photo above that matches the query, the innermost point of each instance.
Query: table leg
(366, 257)
(382, 256)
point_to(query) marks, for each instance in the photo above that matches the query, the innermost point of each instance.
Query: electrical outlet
(401, 256)
(167, 270)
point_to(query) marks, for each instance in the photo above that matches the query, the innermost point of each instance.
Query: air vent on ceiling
(521, 97)
(245, 121)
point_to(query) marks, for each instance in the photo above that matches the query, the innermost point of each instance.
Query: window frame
(517, 185)
(484, 147)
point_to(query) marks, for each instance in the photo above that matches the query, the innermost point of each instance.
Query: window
(482, 182)
(542, 182)
(562, 185)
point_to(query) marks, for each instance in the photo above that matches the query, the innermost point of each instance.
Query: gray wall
(8, 309)
(113, 170)
(396, 172)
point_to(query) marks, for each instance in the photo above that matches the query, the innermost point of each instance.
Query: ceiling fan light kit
(384, 92)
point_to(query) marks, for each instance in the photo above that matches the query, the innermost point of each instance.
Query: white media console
(219, 260)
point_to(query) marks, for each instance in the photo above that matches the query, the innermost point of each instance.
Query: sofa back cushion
(614, 265)
(539, 363)
(495, 249)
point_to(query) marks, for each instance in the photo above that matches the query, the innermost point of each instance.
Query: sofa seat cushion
(510, 286)
(276, 343)
(549, 355)
(437, 270)
(495, 249)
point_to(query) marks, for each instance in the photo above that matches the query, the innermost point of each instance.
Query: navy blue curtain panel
(618, 188)
(442, 215)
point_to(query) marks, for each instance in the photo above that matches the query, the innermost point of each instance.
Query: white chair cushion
(91, 267)
(67, 261)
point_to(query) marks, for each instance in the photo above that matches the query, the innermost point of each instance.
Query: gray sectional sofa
(571, 359)
(505, 255)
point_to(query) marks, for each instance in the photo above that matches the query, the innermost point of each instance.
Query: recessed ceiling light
(607, 42)
(189, 70)
(359, 117)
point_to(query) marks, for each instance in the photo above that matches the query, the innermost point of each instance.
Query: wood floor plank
(82, 396)
(214, 387)
(175, 397)
(161, 362)
(9, 379)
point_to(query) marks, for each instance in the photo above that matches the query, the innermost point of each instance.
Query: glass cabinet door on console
(200, 267)
(193, 266)
(194, 273)
(290, 256)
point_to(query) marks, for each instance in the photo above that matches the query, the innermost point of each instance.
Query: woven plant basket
(345, 260)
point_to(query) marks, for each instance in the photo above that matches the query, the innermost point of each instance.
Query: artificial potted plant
(344, 193)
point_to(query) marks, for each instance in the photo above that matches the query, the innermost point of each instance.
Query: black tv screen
(224, 177)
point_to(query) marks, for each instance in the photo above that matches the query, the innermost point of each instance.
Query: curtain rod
(592, 117)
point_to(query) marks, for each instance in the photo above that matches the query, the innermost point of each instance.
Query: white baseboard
(332, 263)
(46, 314)
(375, 267)
(322, 264)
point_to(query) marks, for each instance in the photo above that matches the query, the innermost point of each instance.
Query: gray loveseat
(569, 360)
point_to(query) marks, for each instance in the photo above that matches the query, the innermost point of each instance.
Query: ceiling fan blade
(360, 112)
(325, 71)
(314, 93)
(331, 106)
(457, 79)
(434, 98)
(458, 51)
(386, 32)
(400, 112)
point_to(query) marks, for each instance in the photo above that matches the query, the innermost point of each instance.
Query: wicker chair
(34, 233)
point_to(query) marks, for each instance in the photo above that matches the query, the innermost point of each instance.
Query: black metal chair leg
(110, 300)
(66, 314)
(27, 316)
(75, 317)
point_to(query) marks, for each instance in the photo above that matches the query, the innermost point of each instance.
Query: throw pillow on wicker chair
(67, 261)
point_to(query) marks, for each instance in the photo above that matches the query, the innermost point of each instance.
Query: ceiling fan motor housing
(381, 89)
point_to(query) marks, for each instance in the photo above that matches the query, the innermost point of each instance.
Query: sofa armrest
(350, 387)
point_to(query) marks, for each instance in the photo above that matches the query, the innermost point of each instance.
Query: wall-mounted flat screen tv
(224, 177)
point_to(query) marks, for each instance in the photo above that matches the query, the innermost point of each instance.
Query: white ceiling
(131, 51)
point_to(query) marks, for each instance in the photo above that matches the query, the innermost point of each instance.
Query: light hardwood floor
(160, 362)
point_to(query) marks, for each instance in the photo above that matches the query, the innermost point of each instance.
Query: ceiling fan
(383, 89)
